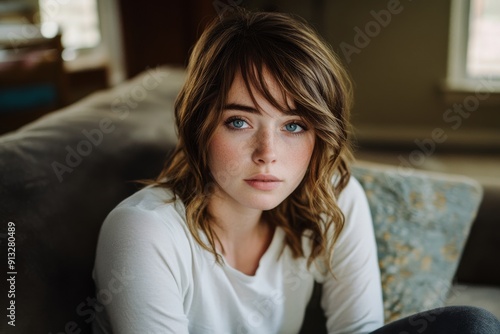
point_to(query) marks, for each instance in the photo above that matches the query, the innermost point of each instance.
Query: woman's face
(258, 156)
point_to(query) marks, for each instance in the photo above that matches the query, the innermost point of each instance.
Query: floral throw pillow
(421, 221)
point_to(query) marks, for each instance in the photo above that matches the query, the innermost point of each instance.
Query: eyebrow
(241, 107)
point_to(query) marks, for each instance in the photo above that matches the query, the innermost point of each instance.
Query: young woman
(257, 202)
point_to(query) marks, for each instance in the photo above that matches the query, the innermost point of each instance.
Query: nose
(265, 147)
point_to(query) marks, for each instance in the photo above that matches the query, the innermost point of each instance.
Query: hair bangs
(253, 66)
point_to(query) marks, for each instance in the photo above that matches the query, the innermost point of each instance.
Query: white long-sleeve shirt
(153, 277)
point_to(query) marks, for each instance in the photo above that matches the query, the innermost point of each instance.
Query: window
(77, 19)
(88, 43)
(474, 52)
(483, 51)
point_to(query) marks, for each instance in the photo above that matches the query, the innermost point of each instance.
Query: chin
(265, 204)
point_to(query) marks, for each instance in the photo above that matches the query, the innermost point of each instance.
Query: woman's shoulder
(146, 234)
(352, 193)
(354, 205)
(153, 199)
(150, 212)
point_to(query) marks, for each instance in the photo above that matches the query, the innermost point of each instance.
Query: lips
(264, 182)
(264, 178)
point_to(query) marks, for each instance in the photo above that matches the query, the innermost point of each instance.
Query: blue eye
(293, 127)
(235, 123)
(238, 123)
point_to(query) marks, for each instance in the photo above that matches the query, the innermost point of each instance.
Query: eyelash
(228, 122)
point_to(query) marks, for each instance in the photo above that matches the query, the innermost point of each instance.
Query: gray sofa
(62, 174)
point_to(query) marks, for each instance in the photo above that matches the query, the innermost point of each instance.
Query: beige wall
(400, 72)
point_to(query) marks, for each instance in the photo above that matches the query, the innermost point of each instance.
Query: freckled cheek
(224, 155)
(304, 156)
(299, 155)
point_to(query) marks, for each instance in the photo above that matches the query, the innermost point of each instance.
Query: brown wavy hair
(307, 71)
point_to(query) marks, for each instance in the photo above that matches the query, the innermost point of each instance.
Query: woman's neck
(232, 221)
(243, 235)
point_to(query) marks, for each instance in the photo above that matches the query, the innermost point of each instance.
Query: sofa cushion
(421, 221)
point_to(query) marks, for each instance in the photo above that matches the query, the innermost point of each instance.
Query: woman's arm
(138, 273)
(352, 301)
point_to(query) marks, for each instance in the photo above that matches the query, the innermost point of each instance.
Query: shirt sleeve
(139, 273)
(352, 300)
